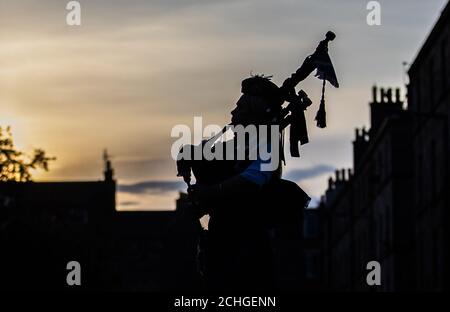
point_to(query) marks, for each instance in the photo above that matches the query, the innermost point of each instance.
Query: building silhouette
(393, 206)
(429, 104)
(43, 226)
(366, 211)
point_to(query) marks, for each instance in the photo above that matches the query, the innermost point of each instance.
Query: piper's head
(251, 110)
(259, 104)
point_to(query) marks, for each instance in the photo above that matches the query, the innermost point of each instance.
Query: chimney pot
(389, 95)
(338, 175)
(330, 182)
(397, 95)
(374, 94)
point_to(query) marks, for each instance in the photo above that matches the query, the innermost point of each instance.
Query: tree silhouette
(15, 165)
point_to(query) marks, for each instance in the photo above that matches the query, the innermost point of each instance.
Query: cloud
(314, 203)
(131, 170)
(152, 187)
(308, 173)
(129, 203)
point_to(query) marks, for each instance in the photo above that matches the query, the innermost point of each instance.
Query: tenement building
(393, 206)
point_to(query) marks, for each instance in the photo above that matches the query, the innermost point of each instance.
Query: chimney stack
(109, 171)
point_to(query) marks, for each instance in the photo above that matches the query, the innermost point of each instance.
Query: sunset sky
(134, 69)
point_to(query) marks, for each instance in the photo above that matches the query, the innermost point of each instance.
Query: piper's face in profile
(249, 110)
(240, 115)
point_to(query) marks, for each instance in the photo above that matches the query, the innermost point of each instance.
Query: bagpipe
(293, 115)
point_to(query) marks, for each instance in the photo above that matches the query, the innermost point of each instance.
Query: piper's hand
(199, 193)
(198, 210)
(201, 198)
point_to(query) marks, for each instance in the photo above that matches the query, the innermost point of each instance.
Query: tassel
(321, 116)
(282, 157)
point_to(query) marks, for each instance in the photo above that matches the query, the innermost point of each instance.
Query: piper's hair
(261, 76)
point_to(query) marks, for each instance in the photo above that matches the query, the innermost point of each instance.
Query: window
(420, 181)
(312, 264)
(310, 229)
(444, 64)
(379, 227)
(431, 78)
(433, 170)
(420, 265)
(435, 262)
(387, 222)
(418, 95)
